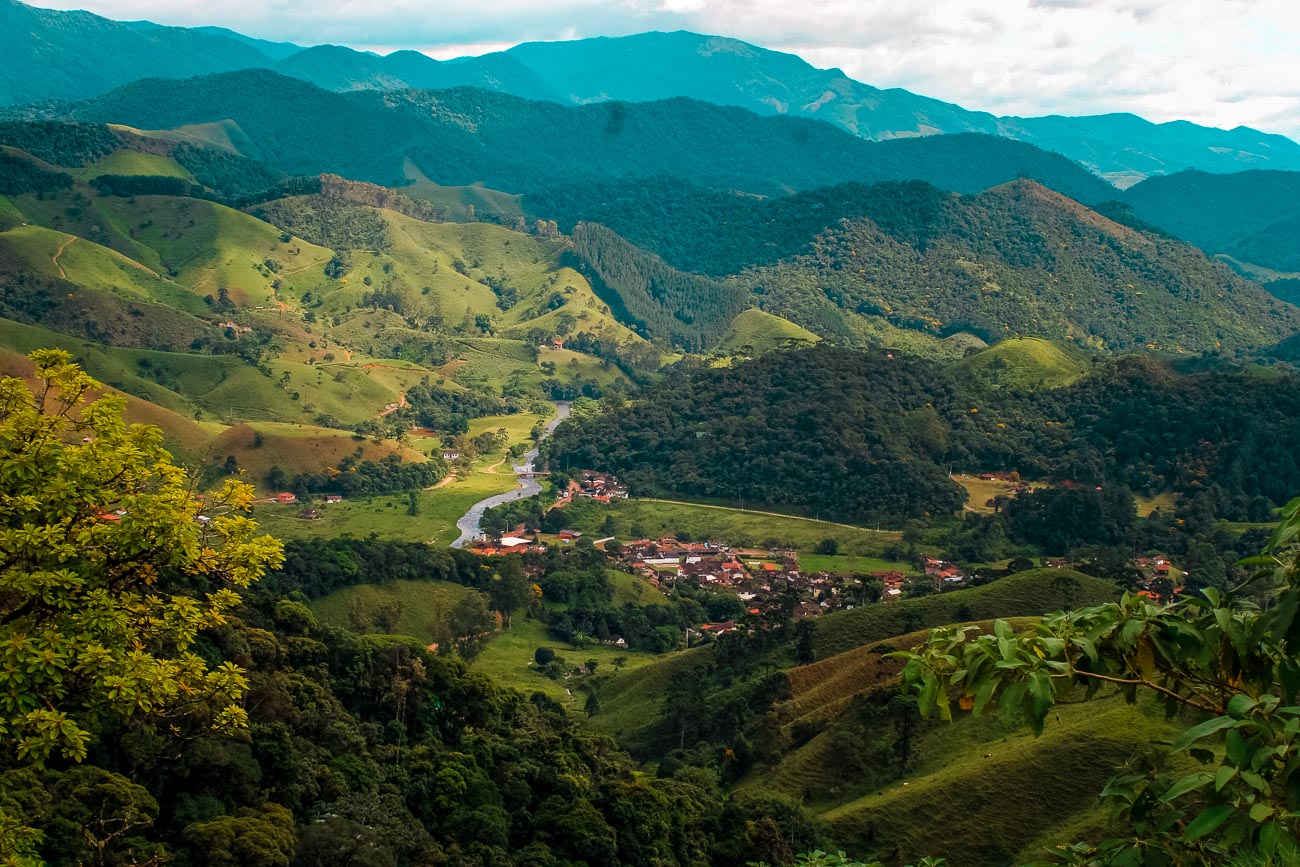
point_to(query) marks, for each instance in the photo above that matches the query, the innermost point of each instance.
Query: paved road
(470, 523)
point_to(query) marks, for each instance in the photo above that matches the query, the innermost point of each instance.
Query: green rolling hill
(1026, 363)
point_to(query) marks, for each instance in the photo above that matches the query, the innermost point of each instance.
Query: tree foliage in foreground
(110, 567)
(1229, 660)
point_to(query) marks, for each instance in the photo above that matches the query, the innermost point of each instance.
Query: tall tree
(110, 566)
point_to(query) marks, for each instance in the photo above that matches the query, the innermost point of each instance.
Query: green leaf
(1196, 732)
(1206, 822)
(1223, 776)
(1189, 783)
(1260, 812)
(1240, 705)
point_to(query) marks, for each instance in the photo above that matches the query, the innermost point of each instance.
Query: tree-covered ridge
(1014, 260)
(1223, 213)
(865, 436)
(1021, 260)
(466, 136)
(659, 301)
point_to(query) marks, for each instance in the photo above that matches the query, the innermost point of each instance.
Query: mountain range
(75, 55)
(470, 135)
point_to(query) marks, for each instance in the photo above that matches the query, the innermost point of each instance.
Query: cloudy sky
(1217, 62)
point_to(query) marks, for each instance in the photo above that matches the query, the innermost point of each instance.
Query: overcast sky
(1217, 62)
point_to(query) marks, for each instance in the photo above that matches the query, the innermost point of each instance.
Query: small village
(768, 579)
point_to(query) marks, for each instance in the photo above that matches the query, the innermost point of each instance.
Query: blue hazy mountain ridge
(469, 135)
(1251, 216)
(70, 55)
(55, 55)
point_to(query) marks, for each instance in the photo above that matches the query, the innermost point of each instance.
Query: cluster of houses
(1160, 578)
(307, 513)
(757, 577)
(942, 572)
(593, 485)
(507, 545)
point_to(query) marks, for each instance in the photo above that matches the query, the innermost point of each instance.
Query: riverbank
(470, 524)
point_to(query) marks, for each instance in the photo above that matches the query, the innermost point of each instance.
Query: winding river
(470, 523)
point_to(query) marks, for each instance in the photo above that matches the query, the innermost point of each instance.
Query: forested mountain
(872, 436)
(651, 66)
(335, 67)
(465, 135)
(687, 309)
(72, 55)
(1251, 216)
(1015, 260)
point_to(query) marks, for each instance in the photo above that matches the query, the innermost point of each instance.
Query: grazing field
(756, 331)
(631, 589)
(438, 508)
(259, 446)
(742, 528)
(986, 779)
(632, 706)
(506, 659)
(129, 162)
(980, 491)
(1147, 506)
(424, 606)
(1027, 363)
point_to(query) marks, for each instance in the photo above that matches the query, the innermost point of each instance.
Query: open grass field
(425, 606)
(387, 516)
(506, 659)
(58, 254)
(740, 528)
(1147, 506)
(1034, 592)
(298, 448)
(1026, 363)
(980, 491)
(458, 199)
(762, 332)
(209, 246)
(129, 162)
(631, 589)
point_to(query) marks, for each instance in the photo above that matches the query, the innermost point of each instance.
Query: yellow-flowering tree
(110, 566)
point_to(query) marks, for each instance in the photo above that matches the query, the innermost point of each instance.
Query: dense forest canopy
(867, 436)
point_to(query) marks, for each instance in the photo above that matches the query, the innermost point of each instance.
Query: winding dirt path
(59, 252)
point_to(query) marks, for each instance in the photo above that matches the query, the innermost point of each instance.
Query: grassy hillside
(1037, 591)
(740, 527)
(297, 448)
(632, 708)
(979, 796)
(762, 332)
(130, 162)
(1026, 363)
(424, 606)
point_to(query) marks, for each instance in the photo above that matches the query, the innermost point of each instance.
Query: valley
(650, 449)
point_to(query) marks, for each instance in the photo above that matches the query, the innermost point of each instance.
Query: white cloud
(1218, 62)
